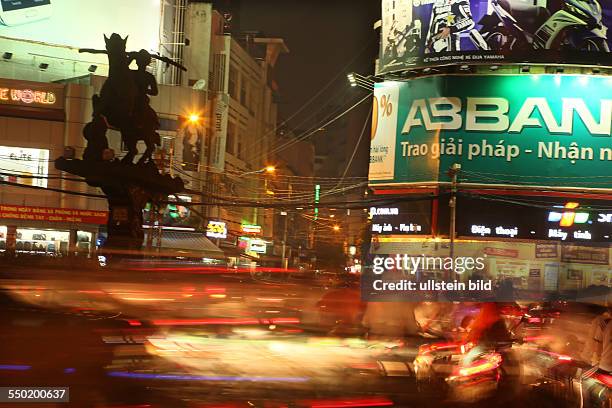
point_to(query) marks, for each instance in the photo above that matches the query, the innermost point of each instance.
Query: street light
(336, 228)
(267, 169)
(194, 118)
(361, 81)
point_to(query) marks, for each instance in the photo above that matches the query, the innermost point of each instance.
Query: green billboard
(532, 131)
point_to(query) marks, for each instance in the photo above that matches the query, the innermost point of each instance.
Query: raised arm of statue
(92, 51)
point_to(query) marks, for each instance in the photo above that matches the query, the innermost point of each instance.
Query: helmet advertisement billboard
(420, 33)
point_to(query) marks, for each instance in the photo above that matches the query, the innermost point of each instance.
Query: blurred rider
(488, 327)
(594, 344)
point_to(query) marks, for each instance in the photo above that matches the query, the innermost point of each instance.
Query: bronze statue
(123, 102)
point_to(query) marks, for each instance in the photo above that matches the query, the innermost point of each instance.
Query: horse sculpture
(120, 98)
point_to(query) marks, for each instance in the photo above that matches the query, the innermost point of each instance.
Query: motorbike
(471, 372)
(576, 25)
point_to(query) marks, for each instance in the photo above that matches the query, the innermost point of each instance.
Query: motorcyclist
(489, 328)
(594, 344)
(449, 18)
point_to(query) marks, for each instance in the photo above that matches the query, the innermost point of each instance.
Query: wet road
(146, 338)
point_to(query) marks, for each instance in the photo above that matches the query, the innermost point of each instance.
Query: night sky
(323, 37)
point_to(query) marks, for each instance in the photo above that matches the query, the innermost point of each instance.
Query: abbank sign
(549, 131)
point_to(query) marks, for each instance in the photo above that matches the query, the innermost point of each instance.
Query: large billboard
(76, 24)
(418, 33)
(548, 131)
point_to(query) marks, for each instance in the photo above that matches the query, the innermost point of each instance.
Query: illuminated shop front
(49, 231)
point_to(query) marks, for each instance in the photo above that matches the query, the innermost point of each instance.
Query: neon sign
(216, 229)
(251, 229)
(568, 218)
(28, 96)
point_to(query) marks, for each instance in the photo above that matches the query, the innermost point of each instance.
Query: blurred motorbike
(470, 372)
(516, 24)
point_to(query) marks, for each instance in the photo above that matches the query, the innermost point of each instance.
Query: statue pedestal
(128, 189)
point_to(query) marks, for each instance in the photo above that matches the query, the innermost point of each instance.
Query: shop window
(42, 242)
(83, 244)
(3, 231)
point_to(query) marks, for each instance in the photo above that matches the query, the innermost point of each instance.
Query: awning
(190, 244)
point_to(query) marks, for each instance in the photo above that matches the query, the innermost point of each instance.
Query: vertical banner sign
(384, 124)
(219, 133)
(191, 135)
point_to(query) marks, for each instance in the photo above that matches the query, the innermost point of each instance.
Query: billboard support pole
(453, 172)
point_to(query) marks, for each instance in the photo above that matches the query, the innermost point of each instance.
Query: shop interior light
(560, 70)
(7, 55)
(194, 118)
(526, 69)
(494, 67)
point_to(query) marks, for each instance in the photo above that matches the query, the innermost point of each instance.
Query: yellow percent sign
(386, 109)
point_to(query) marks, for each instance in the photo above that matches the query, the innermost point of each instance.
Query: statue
(123, 102)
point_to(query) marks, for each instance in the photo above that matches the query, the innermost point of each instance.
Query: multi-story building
(218, 119)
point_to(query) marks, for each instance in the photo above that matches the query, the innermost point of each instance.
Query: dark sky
(323, 36)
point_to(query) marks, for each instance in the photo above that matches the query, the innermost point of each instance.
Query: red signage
(53, 214)
(501, 252)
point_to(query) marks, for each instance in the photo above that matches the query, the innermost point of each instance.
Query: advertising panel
(47, 21)
(31, 164)
(549, 131)
(440, 32)
(552, 219)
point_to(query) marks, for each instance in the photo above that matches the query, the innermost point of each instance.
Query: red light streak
(364, 402)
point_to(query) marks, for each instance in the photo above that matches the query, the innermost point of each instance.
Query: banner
(219, 133)
(440, 32)
(549, 131)
(53, 214)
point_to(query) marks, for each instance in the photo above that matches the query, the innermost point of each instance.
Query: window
(243, 93)
(233, 77)
(231, 138)
(239, 152)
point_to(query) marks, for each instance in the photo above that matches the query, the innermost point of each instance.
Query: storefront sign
(585, 254)
(546, 250)
(216, 229)
(251, 229)
(22, 161)
(33, 94)
(418, 33)
(524, 131)
(258, 246)
(568, 222)
(498, 231)
(406, 218)
(46, 214)
(501, 252)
